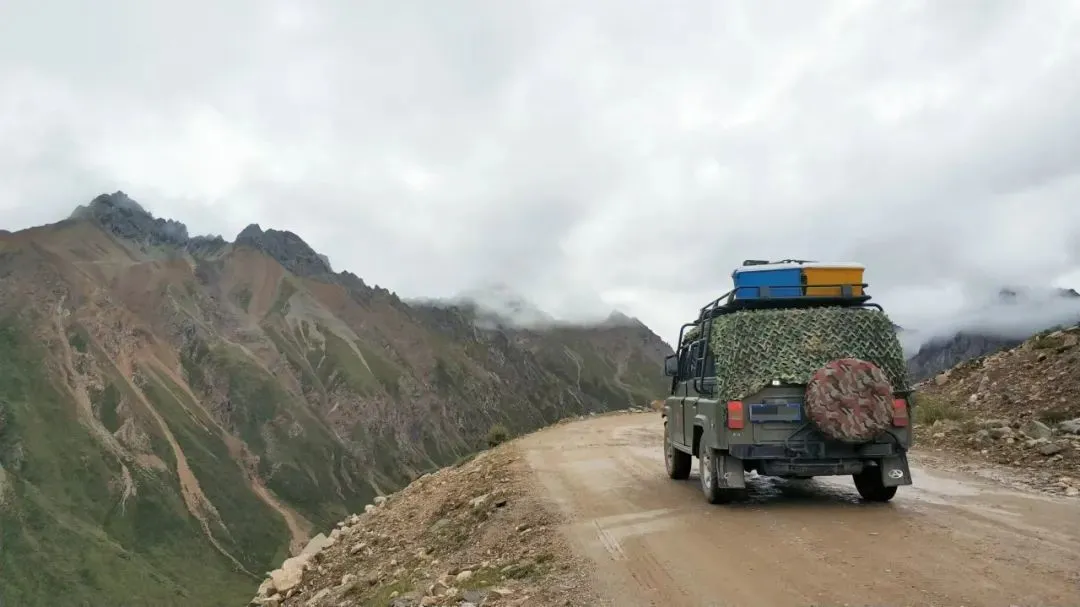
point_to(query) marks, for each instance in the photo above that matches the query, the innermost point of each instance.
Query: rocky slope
(1019, 407)
(178, 414)
(476, 534)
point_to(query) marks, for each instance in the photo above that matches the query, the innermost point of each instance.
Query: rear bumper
(825, 459)
(805, 468)
(810, 451)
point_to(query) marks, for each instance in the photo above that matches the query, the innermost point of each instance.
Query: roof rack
(764, 262)
(728, 302)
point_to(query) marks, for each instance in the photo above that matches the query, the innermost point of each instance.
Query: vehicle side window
(686, 361)
(694, 366)
(710, 365)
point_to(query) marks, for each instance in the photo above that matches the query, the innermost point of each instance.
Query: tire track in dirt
(654, 541)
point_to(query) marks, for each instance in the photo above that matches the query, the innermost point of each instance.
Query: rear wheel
(871, 486)
(676, 462)
(710, 483)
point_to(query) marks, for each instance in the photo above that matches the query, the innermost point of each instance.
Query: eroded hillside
(177, 412)
(1019, 407)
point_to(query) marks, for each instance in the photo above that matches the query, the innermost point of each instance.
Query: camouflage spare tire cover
(850, 400)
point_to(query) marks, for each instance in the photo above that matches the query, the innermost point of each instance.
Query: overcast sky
(590, 154)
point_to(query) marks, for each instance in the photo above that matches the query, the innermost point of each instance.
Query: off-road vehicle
(791, 387)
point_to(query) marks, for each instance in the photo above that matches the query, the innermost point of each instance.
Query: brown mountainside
(1018, 407)
(176, 411)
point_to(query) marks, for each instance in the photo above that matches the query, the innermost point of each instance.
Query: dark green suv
(790, 388)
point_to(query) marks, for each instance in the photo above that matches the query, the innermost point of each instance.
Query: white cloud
(590, 155)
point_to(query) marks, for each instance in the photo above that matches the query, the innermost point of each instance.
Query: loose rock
(441, 541)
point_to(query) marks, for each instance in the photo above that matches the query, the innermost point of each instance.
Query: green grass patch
(300, 455)
(257, 397)
(481, 578)
(448, 376)
(309, 380)
(1059, 414)
(193, 357)
(497, 435)
(79, 339)
(286, 289)
(106, 403)
(387, 372)
(381, 596)
(1048, 342)
(339, 361)
(464, 459)
(529, 568)
(65, 539)
(243, 298)
(927, 409)
(254, 533)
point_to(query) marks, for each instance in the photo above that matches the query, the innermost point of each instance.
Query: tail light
(899, 413)
(735, 419)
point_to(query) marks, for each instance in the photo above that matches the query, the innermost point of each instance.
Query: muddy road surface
(946, 540)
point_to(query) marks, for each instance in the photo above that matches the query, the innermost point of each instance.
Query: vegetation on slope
(178, 413)
(67, 529)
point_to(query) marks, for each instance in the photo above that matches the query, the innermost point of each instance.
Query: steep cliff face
(944, 353)
(176, 412)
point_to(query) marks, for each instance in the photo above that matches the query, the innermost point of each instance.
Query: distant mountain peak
(1004, 320)
(122, 216)
(119, 200)
(1009, 295)
(619, 319)
(287, 248)
(252, 232)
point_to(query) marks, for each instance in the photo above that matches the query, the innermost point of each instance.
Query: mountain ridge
(222, 407)
(1004, 321)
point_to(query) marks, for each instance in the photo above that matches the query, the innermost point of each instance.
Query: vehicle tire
(870, 486)
(677, 463)
(708, 477)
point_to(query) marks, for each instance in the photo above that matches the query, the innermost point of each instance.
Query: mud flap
(894, 471)
(729, 472)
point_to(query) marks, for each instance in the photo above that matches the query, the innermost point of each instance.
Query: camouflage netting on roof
(754, 347)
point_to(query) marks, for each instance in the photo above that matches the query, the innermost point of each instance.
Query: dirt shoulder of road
(478, 534)
(999, 450)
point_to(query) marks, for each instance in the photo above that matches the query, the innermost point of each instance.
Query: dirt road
(947, 540)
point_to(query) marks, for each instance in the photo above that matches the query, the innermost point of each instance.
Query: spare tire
(850, 400)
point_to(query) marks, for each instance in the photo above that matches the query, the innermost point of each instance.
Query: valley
(178, 414)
